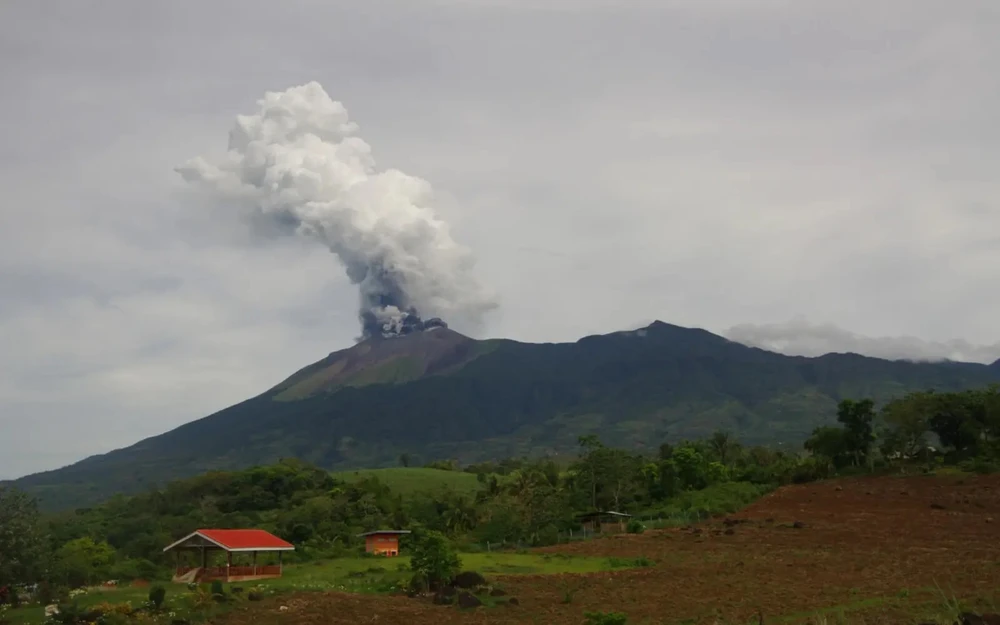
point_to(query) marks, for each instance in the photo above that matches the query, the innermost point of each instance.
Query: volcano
(434, 393)
(394, 357)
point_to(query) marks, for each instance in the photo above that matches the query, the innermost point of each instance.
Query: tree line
(525, 501)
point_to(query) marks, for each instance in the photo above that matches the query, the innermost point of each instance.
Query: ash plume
(298, 161)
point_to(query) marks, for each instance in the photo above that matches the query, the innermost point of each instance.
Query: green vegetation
(432, 559)
(440, 395)
(689, 507)
(407, 481)
(21, 540)
(605, 618)
(516, 503)
(351, 574)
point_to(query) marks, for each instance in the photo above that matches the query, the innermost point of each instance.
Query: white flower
(51, 610)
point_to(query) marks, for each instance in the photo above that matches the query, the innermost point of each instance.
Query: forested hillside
(451, 397)
(528, 502)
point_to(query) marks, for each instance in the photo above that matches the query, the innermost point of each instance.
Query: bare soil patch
(878, 548)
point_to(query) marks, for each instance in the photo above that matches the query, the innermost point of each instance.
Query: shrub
(468, 580)
(106, 608)
(156, 596)
(418, 584)
(635, 526)
(47, 594)
(434, 557)
(72, 613)
(605, 618)
(979, 465)
(114, 618)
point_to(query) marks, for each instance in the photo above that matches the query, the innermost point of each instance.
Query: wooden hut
(383, 542)
(603, 521)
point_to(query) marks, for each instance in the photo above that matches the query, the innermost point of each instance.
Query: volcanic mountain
(438, 394)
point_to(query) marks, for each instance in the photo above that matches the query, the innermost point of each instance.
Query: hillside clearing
(407, 481)
(869, 550)
(364, 575)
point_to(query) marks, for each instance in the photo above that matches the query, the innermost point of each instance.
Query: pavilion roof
(234, 540)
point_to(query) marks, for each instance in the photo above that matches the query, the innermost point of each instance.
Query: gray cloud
(706, 163)
(799, 337)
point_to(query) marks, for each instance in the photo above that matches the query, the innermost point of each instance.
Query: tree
(23, 554)
(84, 561)
(908, 419)
(433, 557)
(857, 417)
(589, 465)
(991, 412)
(724, 445)
(831, 443)
(624, 475)
(459, 514)
(689, 465)
(953, 422)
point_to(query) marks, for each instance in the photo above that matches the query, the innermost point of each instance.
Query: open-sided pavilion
(205, 543)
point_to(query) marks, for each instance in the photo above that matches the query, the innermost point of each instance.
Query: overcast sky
(822, 171)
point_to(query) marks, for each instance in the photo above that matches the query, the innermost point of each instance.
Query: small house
(383, 542)
(603, 521)
(245, 544)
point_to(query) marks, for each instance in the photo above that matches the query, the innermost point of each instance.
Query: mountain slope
(440, 394)
(382, 361)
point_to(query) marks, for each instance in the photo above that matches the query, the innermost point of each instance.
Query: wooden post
(229, 563)
(279, 563)
(204, 558)
(255, 563)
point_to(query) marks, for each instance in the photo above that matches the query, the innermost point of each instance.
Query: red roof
(242, 539)
(245, 539)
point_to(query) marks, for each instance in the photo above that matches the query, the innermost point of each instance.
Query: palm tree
(723, 444)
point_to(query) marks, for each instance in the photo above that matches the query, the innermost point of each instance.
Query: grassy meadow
(410, 480)
(369, 575)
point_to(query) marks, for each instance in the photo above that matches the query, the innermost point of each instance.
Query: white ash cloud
(299, 161)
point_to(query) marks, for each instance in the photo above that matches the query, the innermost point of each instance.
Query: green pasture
(359, 574)
(408, 481)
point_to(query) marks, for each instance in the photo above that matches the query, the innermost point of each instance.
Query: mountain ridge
(441, 394)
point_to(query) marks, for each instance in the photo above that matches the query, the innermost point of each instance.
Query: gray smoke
(298, 161)
(799, 337)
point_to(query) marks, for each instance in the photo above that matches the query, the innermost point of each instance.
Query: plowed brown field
(882, 550)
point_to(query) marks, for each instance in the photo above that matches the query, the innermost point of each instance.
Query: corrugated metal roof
(239, 540)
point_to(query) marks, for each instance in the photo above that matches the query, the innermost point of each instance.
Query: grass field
(360, 575)
(873, 550)
(866, 550)
(408, 481)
